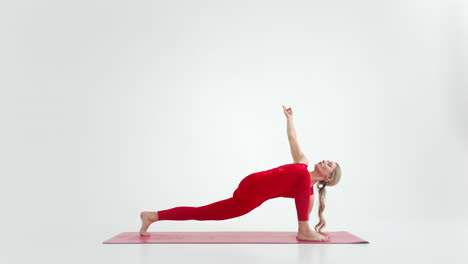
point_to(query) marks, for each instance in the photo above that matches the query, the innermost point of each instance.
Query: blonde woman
(292, 180)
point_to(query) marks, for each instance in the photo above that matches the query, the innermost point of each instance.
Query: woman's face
(325, 169)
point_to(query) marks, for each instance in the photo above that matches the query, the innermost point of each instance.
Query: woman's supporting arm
(311, 203)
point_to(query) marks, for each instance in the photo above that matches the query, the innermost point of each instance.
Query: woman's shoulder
(299, 164)
(294, 165)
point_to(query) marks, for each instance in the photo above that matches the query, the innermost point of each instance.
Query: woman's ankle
(304, 227)
(154, 216)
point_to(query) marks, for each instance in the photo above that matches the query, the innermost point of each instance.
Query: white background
(109, 108)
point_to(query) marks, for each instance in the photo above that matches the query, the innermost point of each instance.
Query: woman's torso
(276, 182)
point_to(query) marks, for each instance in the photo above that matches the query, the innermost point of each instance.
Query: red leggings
(290, 180)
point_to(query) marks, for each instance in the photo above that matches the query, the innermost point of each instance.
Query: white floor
(411, 242)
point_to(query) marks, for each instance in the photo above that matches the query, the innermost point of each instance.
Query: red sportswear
(289, 181)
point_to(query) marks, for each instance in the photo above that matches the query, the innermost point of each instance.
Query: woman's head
(329, 171)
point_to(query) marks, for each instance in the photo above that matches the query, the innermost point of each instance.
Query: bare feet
(147, 218)
(311, 236)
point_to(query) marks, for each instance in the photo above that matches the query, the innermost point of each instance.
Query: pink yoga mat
(228, 237)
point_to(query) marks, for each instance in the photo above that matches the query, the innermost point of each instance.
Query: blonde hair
(335, 179)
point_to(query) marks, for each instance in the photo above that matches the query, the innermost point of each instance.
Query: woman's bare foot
(311, 236)
(147, 218)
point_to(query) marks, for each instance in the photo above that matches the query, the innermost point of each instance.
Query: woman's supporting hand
(287, 112)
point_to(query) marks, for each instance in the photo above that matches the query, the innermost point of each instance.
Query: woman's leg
(221, 210)
(302, 197)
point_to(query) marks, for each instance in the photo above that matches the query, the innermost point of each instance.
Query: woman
(290, 181)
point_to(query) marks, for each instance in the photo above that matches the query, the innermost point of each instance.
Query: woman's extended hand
(288, 112)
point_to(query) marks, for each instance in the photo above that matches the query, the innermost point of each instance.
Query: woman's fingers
(287, 111)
